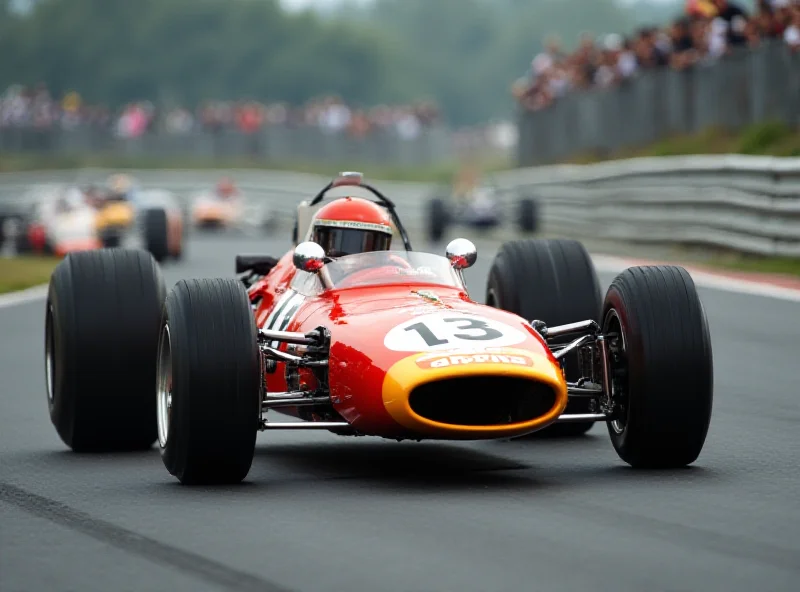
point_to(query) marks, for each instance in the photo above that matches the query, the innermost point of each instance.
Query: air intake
(482, 400)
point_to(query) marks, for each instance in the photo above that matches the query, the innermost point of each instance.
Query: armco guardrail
(747, 204)
(744, 203)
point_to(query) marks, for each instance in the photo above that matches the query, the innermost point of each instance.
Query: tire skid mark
(192, 564)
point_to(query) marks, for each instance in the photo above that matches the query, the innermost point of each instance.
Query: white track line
(24, 296)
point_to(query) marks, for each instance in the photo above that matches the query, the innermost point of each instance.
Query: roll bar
(354, 179)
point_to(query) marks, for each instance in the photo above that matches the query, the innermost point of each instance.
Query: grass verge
(723, 260)
(765, 139)
(18, 273)
(789, 266)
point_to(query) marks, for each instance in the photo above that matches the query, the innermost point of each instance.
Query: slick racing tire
(551, 280)
(156, 233)
(101, 336)
(661, 367)
(9, 227)
(437, 219)
(22, 243)
(528, 215)
(209, 382)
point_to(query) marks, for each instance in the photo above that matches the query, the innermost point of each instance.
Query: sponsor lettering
(447, 360)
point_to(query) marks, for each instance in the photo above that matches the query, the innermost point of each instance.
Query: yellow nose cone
(115, 215)
(473, 395)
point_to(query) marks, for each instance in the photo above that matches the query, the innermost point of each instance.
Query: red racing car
(347, 334)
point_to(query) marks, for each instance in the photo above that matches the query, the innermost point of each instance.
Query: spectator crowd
(36, 108)
(708, 30)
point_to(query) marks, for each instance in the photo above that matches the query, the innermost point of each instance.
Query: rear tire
(101, 334)
(528, 215)
(22, 244)
(437, 219)
(664, 375)
(551, 280)
(209, 369)
(156, 233)
(178, 228)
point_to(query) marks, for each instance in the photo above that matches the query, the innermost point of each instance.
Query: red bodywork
(369, 382)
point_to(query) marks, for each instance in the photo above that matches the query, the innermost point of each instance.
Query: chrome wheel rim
(49, 354)
(164, 386)
(613, 324)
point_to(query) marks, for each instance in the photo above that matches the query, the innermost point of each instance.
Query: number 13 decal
(438, 331)
(486, 333)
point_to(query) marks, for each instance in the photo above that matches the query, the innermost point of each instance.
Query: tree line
(462, 54)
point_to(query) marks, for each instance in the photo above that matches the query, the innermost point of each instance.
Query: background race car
(481, 207)
(54, 220)
(132, 217)
(163, 225)
(225, 207)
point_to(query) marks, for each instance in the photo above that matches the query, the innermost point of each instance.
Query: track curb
(32, 294)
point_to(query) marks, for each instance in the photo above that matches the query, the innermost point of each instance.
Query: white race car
(481, 208)
(56, 220)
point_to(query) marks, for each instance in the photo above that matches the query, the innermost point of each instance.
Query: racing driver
(226, 189)
(352, 225)
(120, 188)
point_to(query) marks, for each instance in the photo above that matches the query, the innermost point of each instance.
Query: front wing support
(592, 348)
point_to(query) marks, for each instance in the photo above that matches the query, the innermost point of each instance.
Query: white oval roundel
(441, 331)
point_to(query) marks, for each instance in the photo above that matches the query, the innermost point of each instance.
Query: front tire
(662, 369)
(551, 280)
(209, 382)
(101, 334)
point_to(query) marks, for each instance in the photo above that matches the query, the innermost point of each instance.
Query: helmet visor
(339, 242)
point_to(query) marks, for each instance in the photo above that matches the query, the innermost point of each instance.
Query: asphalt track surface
(321, 512)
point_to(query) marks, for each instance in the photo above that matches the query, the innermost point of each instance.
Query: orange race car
(226, 207)
(349, 333)
(220, 208)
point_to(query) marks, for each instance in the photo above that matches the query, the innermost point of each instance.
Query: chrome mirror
(462, 253)
(309, 256)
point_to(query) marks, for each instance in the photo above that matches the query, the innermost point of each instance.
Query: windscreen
(392, 267)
